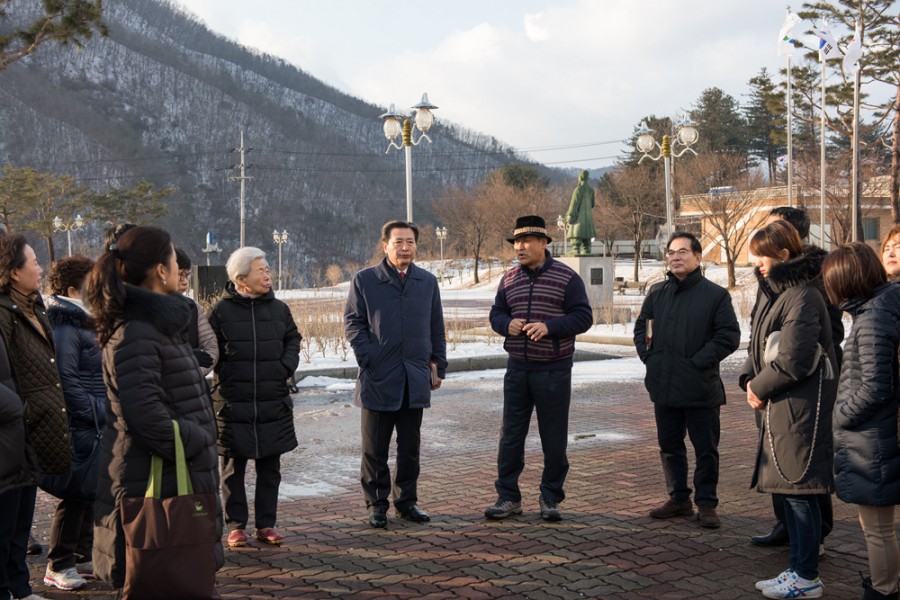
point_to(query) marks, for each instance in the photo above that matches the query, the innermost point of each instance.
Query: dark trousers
(825, 511)
(16, 516)
(374, 475)
(702, 425)
(804, 525)
(548, 392)
(234, 494)
(66, 533)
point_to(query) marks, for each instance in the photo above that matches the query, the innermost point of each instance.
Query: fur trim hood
(61, 312)
(800, 270)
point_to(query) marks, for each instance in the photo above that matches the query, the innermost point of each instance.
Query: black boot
(870, 593)
(777, 537)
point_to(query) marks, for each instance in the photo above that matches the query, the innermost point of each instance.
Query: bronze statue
(580, 217)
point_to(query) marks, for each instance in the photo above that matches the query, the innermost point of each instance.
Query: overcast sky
(559, 79)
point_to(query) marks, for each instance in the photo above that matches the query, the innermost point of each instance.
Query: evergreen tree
(765, 124)
(140, 204)
(61, 21)
(521, 177)
(720, 123)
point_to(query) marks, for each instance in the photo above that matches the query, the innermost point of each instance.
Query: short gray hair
(238, 264)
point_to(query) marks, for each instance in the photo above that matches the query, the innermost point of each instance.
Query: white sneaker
(796, 587)
(66, 580)
(782, 577)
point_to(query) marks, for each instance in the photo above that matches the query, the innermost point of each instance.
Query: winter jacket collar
(688, 282)
(548, 261)
(26, 302)
(168, 313)
(800, 270)
(8, 301)
(861, 303)
(387, 273)
(231, 293)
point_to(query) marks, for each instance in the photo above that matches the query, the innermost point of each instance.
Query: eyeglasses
(184, 274)
(680, 253)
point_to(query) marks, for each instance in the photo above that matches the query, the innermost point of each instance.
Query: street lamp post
(561, 225)
(280, 239)
(441, 233)
(393, 127)
(68, 226)
(687, 136)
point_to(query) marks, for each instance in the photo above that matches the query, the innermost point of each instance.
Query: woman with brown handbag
(152, 378)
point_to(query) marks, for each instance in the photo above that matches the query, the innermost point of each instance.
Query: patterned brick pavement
(606, 546)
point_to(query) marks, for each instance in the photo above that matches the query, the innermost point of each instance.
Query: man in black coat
(395, 323)
(687, 326)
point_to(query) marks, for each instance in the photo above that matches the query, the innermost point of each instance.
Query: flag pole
(822, 167)
(855, 168)
(790, 137)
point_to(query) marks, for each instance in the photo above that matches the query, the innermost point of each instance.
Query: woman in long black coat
(259, 349)
(795, 386)
(152, 378)
(866, 454)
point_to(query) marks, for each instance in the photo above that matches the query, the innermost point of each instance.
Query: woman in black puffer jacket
(152, 378)
(78, 359)
(259, 349)
(867, 457)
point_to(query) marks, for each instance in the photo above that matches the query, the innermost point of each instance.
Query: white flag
(828, 47)
(853, 53)
(786, 35)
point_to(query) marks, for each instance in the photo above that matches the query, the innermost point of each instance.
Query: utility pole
(242, 167)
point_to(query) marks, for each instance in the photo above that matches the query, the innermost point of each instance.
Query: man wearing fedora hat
(540, 307)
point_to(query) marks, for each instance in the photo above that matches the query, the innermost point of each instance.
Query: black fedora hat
(530, 225)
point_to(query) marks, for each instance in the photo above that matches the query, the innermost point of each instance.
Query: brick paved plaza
(606, 546)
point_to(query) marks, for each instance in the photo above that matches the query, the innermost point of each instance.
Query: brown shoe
(708, 517)
(673, 508)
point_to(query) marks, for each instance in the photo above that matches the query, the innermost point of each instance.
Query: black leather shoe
(378, 517)
(777, 537)
(415, 514)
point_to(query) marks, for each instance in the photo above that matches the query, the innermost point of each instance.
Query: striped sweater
(553, 294)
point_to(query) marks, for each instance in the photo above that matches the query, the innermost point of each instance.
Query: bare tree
(480, 219)
(635, 195)
(725, 213)
(467, 214)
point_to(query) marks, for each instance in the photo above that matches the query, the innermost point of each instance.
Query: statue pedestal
(598, 274)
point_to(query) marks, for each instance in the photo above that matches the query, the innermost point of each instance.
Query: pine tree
(765, 123)
(720, 123)
(60, 21)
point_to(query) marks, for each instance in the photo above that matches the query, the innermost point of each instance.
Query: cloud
(533, 28)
